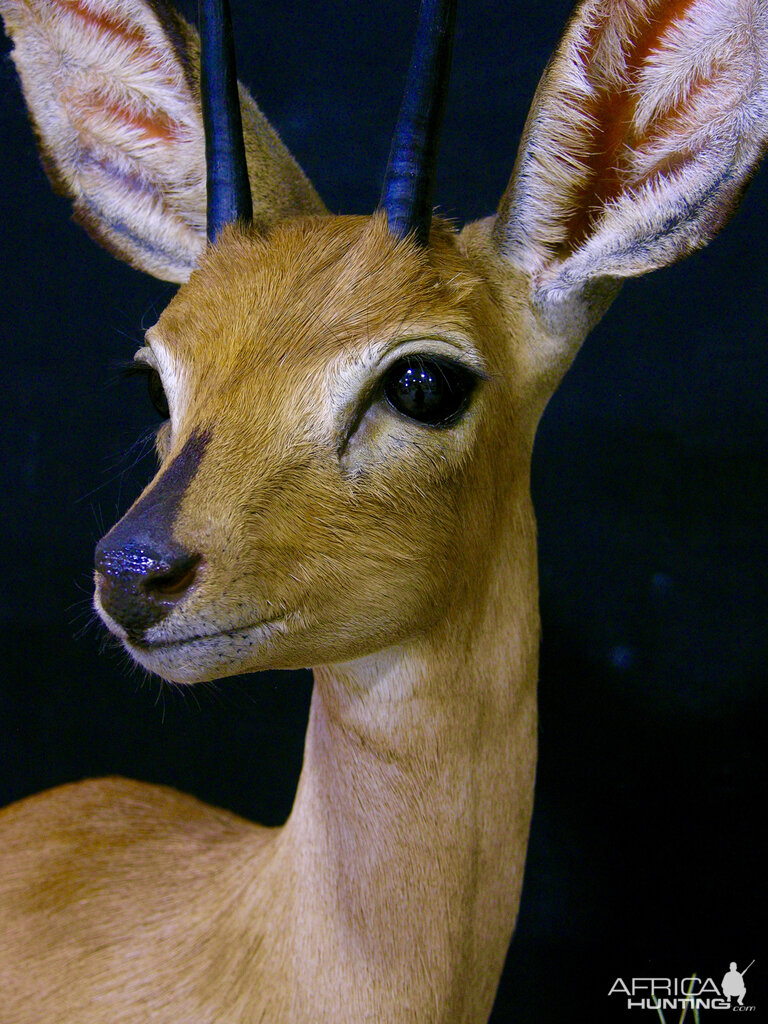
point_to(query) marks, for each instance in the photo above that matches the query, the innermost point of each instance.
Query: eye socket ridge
(431, 390)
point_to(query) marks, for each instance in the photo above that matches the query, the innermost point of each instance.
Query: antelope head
(327, 482)
(329, 383)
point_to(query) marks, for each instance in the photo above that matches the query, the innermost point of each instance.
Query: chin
(205, 656)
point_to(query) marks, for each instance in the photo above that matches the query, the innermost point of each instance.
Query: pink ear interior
(94, 112)
(612, 137)
(101, 20)
(646, 127)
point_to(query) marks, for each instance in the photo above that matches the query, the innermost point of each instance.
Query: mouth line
(154, 646)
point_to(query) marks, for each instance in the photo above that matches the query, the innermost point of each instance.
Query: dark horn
(229, 191)
(410, 179)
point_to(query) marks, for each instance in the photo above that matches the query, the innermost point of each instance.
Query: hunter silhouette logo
(733, 983)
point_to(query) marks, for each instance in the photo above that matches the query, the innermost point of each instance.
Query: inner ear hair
(645, 130)
(112, 88)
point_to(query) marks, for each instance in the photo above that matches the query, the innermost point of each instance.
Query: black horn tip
(409, 182)
(229, 190)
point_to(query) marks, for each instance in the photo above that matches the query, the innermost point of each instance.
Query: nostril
(138, 584)
(176, 581)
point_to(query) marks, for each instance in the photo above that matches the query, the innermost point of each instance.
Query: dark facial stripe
(150, 521)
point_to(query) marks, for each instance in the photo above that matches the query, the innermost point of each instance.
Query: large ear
(646, 128)
(112, 91)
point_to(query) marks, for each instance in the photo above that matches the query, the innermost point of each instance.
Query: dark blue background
(650, 482)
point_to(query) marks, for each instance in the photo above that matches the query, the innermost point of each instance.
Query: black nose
(139, 583)
(142, 572)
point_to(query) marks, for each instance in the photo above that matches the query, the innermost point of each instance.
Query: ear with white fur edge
(644, 132)
(112, 90)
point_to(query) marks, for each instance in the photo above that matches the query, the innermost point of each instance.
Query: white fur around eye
(354, 382)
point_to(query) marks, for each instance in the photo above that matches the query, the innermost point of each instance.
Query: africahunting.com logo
(690, 993)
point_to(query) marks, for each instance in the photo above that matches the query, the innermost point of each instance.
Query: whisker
(145, 440)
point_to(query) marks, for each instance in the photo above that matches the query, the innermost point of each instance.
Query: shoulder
(110, 811)
(107, 882)
(83, 826)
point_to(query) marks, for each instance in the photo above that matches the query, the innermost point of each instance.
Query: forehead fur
(313, 284)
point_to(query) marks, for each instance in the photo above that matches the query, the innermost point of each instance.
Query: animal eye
(428, 389)
(157, 393)
(155, 389)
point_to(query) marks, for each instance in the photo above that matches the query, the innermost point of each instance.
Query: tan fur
(399, 559)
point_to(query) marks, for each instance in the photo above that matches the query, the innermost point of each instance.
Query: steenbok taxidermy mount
(331, 386)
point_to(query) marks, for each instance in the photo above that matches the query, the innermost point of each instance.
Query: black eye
(429, 389)
(157, 393)
(137, 368)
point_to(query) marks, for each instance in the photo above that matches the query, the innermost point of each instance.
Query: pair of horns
(410, 176)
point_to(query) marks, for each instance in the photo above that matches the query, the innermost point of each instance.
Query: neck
(406, 844)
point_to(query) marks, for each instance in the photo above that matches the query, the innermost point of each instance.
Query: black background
(647, 854)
